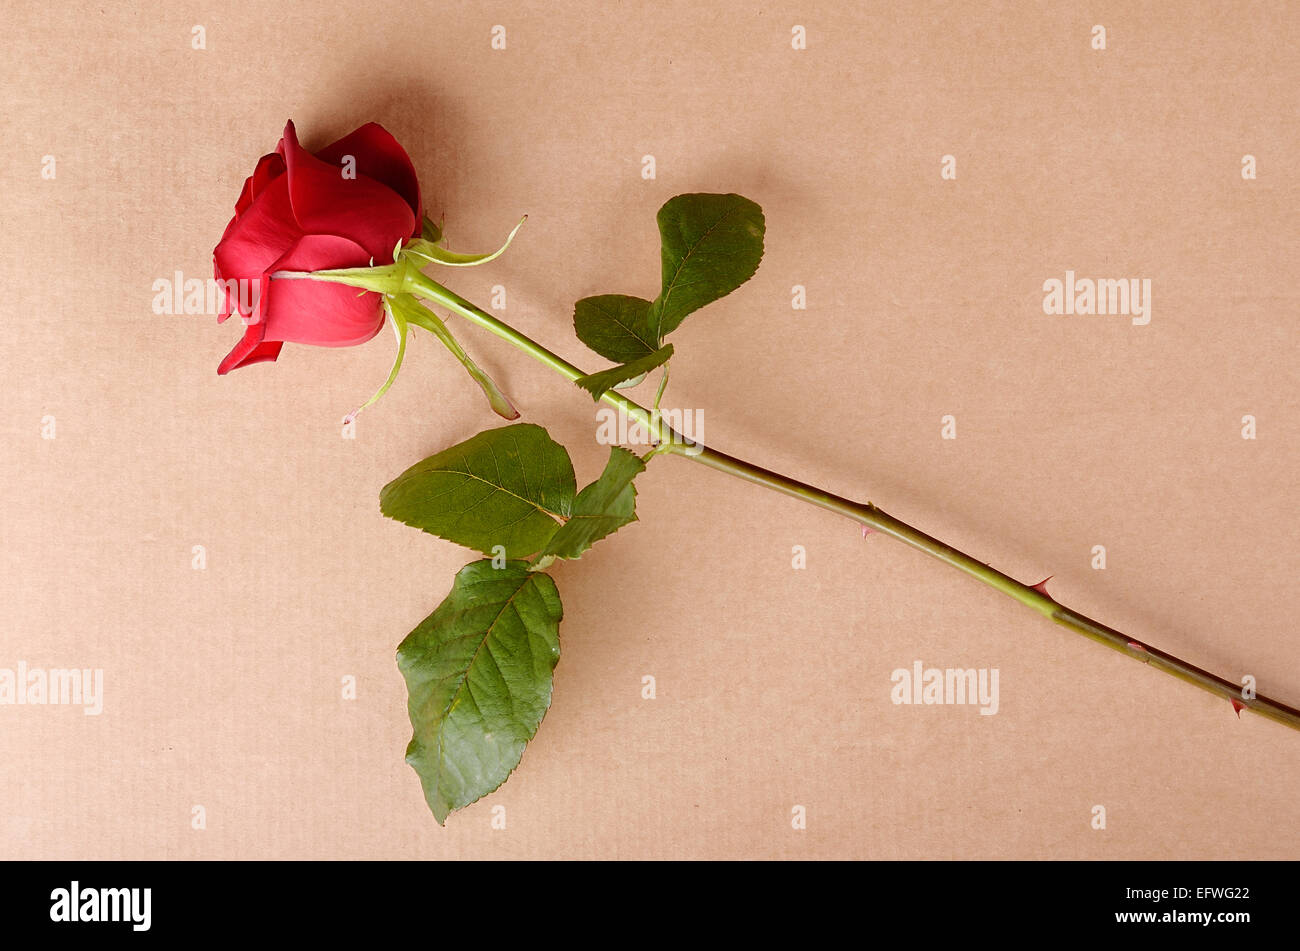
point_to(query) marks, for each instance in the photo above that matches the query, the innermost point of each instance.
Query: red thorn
(1237, 705)
(1134, 645)
(866, 531)
(1041, 587)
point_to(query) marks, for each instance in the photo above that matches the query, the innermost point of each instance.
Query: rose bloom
(301, 211)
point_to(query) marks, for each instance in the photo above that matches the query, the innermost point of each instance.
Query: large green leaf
(597, 383)
(478, 674)
(710, 245)
(501, 487)
(615, 326)
(601, 508)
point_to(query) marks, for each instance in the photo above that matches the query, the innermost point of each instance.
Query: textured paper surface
(222, 685)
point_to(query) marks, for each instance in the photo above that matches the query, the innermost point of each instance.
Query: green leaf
(615, 326)
(597, 383)
(501, 487)
(430, 230)
(601, 508)
(710, 245)
(478, 675)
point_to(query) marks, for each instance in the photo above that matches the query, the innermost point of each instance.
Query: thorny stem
(869, 516)
(877, 520)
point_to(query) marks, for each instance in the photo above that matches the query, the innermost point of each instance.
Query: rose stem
(868, 515)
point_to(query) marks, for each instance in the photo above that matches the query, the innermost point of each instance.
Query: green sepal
(412, 311)
(427, 252)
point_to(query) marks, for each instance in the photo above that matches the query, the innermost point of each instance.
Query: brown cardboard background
(222, 685)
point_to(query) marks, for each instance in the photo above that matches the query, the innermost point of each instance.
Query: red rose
(305, 212)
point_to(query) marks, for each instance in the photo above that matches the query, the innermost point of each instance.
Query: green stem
(877, 520)
(424, 286)
(868, 515)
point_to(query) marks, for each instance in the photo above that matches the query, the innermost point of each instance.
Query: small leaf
(597, 383)
(710, 245)
(601, 508)
(430, 231)
(615, 326)
(478, 674)
(427, 251)
(501, 487)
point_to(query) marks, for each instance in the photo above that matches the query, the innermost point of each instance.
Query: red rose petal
(261, 236)
(361, 209)
(302, 310)
(224, 310)
(269, 167)
(381, 157)
(252, 348)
